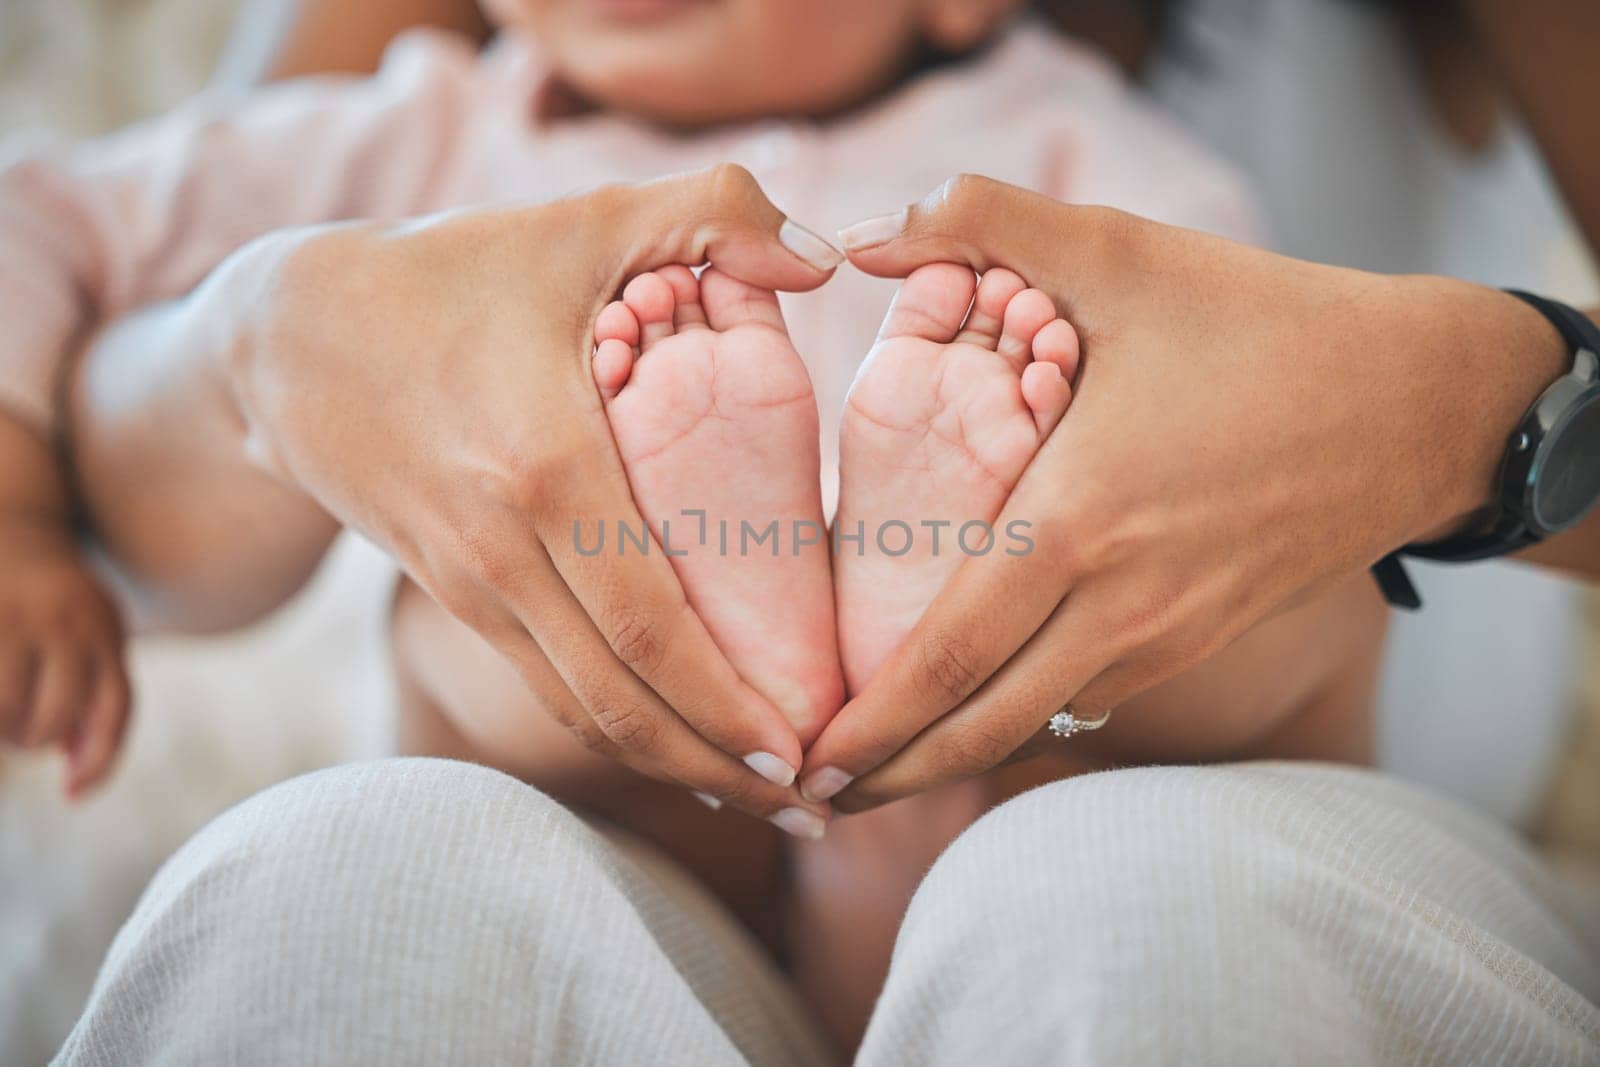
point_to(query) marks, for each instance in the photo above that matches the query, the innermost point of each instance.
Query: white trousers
(429, 912)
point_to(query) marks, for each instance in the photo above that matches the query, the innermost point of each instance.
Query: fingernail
(708, 800)
(771, 768)
(809, 246)
(824, 784)
(874, 231)
(798, 822)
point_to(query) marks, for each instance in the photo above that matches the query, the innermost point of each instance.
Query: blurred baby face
(695, 62)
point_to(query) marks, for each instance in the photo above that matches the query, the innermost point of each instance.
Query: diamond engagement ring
(1066, 722)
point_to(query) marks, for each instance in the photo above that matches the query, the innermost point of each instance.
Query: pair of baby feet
(716, 423)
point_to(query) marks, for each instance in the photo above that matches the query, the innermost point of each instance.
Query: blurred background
(1492, 693)
(215, 720)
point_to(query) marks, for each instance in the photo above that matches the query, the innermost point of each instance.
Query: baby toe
(617, 322)
(996, 290)
(1047, 394)
(1057, 343)
(613, 366)
(931, 304)
(730, 302)
(687, 312)
(650, 298)
(616, 335)
(1026, 315)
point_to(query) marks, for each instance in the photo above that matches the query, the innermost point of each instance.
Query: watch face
(1566, 481)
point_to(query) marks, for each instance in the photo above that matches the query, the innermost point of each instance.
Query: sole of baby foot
(964, 383)
(715, 420)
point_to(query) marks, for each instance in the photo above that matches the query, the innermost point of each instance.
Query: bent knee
(1147, 848)
(378, 825)
(321, 903)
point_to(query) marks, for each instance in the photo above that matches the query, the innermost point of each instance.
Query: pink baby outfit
(92, 231)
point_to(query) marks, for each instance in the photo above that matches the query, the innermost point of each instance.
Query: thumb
(721, 215)
(982, 223)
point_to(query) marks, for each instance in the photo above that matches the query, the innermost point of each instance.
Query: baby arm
(62, 680)
(122, 230)
(91, 232)
(196, 536)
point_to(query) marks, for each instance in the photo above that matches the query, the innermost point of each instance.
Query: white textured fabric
(1260, 913)
(429, 912)
(421, 911)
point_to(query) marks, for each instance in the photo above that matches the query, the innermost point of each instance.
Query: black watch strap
(1509, 532)
(1576, 328)
(1395, 584)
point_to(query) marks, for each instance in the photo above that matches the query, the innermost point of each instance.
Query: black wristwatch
(1550, 476)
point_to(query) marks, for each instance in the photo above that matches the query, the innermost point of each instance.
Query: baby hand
(62, 680)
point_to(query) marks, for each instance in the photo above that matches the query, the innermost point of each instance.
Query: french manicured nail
(707, 799)
(771, 768)
(824, 784)
(874, 231)
(798, 822)
(809, 246)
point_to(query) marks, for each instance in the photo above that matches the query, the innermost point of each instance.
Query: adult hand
(430, 385)
(1245, 428)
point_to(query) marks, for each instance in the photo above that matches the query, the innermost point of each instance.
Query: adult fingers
(563, 521)
(721, 214)
(1097, 701)
(989, 609)
(650, 736)
(1007, 718)
(615, 624)
(637, 606)
(674, 754)
(1096, 653)
(984, 223)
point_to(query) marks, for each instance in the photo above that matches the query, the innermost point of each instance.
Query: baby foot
(947, 410)
(714, 416)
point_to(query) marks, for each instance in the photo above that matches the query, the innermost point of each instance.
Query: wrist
(1509, 354)
(229, 317)
(263, 301)
(34, 486)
